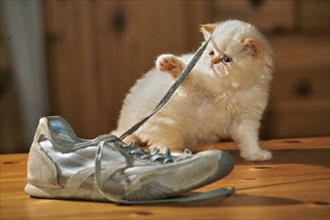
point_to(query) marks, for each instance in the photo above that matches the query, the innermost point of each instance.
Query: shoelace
(154, 155)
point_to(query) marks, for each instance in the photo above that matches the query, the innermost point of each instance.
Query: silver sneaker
(64, 166)
(61, 165)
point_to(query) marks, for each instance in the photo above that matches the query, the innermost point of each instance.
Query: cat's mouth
(219, 70)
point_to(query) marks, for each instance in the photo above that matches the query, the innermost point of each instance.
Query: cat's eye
(227, 59)
(211, 53)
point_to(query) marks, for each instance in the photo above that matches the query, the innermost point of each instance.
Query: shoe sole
(63, 193)
(149, 189)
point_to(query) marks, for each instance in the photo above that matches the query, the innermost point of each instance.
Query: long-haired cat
(224, 96)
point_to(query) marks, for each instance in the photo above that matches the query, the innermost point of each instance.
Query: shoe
(64, 166)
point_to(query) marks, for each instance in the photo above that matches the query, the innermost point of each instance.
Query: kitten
(224, 96)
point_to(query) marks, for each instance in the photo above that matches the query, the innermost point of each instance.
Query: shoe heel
(36, 191)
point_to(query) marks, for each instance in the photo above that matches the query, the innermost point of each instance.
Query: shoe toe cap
(226, 164)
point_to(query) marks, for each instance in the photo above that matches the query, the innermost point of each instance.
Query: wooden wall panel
(302, 65)
(74, 89)
(315, 15)
(266, 15)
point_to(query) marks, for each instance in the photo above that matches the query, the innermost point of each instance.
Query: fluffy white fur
(225, 95)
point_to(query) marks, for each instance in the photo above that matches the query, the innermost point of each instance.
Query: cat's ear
(252, 46)
(207, 29)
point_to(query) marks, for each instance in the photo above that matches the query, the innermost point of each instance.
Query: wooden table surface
(294, 185)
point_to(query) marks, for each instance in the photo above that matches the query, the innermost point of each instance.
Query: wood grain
(294, 185)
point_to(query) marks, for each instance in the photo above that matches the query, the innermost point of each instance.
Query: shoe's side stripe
(76, 180)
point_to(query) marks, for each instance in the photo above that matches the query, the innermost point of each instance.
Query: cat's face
(237, 55)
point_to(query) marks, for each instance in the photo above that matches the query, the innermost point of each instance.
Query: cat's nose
(215, 60)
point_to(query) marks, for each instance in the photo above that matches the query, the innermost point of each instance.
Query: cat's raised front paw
(170, 64)
(260, 155)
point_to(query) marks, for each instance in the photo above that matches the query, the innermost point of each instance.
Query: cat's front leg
(170, 64)
(246, 136)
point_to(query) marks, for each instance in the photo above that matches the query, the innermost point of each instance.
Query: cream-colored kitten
(225, 95)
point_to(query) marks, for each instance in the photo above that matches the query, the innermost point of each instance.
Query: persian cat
(224, 96)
